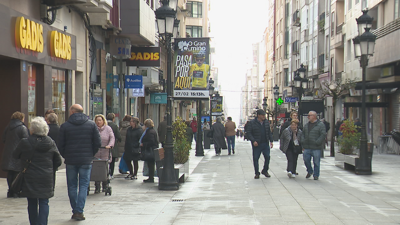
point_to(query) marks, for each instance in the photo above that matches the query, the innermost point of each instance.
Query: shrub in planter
(350, 138)
(181, 145)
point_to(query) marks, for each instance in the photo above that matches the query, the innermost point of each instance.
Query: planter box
(351, 162)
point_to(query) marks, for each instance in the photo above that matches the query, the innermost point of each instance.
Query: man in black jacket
(78, 141)
(259, 133)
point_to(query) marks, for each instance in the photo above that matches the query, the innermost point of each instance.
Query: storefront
(36, 65)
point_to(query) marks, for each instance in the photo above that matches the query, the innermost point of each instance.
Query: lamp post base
(168, 186)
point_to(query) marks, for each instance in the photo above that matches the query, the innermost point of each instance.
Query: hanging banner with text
(216, 106)
(192, 70)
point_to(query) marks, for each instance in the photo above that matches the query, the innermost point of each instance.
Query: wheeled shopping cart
(100, 172)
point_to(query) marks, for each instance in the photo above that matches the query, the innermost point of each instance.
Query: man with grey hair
(78, 142)
(54, 129)
(312, 140)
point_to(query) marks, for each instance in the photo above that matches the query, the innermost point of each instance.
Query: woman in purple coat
(107, 142)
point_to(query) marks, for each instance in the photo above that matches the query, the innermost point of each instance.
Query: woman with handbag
(107, 142)
(132, 148)
(14, 132)
(290, 145)
(41, 159)
(148, 142)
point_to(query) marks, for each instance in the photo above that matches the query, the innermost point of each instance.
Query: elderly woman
(218, 131)
(290, 145)
(54, 129)
(132, 148)
(38, 185)
(107, 142)
(149, 140)
(14, 132)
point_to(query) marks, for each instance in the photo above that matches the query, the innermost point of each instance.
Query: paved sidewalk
(222, 190)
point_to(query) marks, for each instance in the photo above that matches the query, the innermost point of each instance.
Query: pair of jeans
(292, 160)
(38, 216)
(75, 174)
(231, 143)
(195, 136)
(316, 155)
(257, 150)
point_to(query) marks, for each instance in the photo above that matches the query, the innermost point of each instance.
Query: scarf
(140, 140)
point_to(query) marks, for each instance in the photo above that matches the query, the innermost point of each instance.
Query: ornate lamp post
(165, 21)
(364, 45)
(276, 96)
(211, 90)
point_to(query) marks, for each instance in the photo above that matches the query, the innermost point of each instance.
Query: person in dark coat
(78, 142)
(117, 135)
(337, 127)
(162, 131)
(132, 148)
(38, 185)
(218, 131)
(189, 132)
(14, 132)
(259, 134)
(149, 139)
(123, 127)
(54, 129)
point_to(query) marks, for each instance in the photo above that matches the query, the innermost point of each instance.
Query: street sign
(279, 101)
(133, 81)
(291, 99)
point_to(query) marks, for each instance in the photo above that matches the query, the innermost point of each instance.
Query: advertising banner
(144, 56)
(216, 106)
(137, 92)
(192, 70)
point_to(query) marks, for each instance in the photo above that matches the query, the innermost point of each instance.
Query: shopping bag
(123, 168)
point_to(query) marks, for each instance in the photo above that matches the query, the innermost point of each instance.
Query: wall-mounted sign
(28, 35)
(137, 92)
(60, 45)
(120, 47)
(192, 70)
(291, 99)
(216, 106)
(158, 98)
(144, 56)
(133, 81)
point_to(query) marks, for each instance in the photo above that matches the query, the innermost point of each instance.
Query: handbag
(298, 149)
(147, 154)
(210, 134)
(16, 185)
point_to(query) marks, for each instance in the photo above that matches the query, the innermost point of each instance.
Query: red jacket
(193, 125)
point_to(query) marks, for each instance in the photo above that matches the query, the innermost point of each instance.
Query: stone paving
(222, 190)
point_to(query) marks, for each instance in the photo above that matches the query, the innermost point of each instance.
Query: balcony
(337, 41)
(137, 22)
(339, 28)
(296, 18)
(295, 48)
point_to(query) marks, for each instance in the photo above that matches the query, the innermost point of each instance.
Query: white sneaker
(289, 174)
(293, 175)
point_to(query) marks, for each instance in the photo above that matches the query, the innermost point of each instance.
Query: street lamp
(276, 96)
(364, 45)
(211, 92)
(165, 21)
(300, 83)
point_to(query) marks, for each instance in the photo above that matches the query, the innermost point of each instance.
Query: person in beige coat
(230, 132)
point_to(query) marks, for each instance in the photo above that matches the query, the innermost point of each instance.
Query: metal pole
(300, 112)
(168, 180)
(364, 166)
(199, 141)
(210, 112)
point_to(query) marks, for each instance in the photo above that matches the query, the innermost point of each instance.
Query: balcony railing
(296, 18)
(339, 28)
(321, 62)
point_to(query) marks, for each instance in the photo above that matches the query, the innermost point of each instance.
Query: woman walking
(290, 145)
(218, 131)
(149, 140)
(123, 127)
(14, 132)
(132, 148)
(38, 185)
(107, 142)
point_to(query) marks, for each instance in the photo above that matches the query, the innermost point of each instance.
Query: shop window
(58, 96)
(31, 93)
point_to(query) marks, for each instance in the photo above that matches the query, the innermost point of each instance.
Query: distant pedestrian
(54, 129)
(206, 126)
(327, 128)
(14, 132)
(218, 131)
(259, 134)
(193, 125)
(78, 141)
(132, 148)
(244, 132)
(47, 113)
(312, 141)
(358, 124)
(290, 145)
(149, 139)
(38, 185)
(337, 127)
(189, 132)
(162, 131)
(107, 143)
(123, 127)
(230, 127)
(118, 138)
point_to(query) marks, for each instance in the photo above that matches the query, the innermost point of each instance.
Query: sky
(235, 26)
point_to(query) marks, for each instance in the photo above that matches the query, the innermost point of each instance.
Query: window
(357, 1)
(364, 4)
(348, 50)
(349, 5)
(195, 9)
(286, 71)
(396, 9)
(58, 97)
(31, 92)
(194, 31)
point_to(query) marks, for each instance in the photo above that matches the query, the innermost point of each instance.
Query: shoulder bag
(16, 185)
(147, 153)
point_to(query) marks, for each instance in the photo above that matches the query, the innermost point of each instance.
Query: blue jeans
(231, 142)
(195, 136)
(316, 154)
(38, 217)
(77, 173)
(265, 150)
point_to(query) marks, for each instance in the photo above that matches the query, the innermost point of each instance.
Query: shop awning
(374, 85)
(367, 104)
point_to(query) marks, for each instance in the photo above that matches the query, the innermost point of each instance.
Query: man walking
(193, 125)
(312, 140)
(78, 141)
(230, 127)
(259, 133)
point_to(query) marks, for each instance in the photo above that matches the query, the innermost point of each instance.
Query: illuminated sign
(60, 45)
(29, 35)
